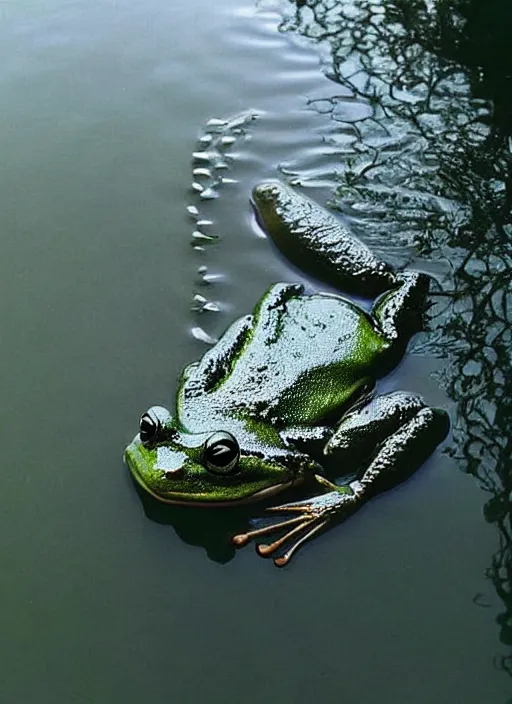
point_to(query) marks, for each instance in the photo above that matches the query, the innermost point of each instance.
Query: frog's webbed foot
(313, 515)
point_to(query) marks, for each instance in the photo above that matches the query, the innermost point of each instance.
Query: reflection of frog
(282, 378)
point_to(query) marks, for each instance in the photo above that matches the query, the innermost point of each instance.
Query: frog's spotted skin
(296, 372)
(292, 349)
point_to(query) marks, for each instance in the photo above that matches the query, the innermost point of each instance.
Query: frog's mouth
(191, 485)
(208, 502)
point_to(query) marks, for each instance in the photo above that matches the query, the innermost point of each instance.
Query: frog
(287, 396)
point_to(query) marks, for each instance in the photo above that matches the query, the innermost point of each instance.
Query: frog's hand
(401, 433)
(313, 515)
(313, 239)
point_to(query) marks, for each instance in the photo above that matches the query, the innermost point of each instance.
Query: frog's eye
(148, 428)
(153, 423)
(221, 453)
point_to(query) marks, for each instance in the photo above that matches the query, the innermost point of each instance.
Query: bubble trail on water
(212, 162)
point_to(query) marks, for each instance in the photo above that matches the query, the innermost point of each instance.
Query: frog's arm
(401, 432)
(217, 363)
(365, 427)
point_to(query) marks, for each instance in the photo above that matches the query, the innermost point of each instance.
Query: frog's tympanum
(293, 383)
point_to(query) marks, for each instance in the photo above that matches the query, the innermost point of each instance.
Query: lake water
(104, 598)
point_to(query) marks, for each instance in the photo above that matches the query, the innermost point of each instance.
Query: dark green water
(102, 105)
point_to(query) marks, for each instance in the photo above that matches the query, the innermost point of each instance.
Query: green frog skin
(293, 381)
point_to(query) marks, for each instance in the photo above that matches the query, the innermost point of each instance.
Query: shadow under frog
(286, 400)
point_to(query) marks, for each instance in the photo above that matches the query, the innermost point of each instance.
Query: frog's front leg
(390, 437)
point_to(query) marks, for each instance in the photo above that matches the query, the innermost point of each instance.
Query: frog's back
(306, 357)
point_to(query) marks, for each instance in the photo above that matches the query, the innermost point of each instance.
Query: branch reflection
(422, 123)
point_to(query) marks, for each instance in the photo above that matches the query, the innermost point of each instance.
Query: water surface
(103, 104)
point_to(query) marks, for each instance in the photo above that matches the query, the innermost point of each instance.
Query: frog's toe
(242, 539)
(314, 514)
(300, 523)
(321, 505)
(314, 526)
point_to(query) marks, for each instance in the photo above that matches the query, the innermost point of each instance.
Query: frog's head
(205, 468)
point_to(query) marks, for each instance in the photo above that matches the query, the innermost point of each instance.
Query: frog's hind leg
(312, 238)
(390, 437)
(400, 311)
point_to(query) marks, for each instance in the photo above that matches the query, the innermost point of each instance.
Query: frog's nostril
(148, 427)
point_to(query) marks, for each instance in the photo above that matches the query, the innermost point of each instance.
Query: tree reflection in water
(422, 121)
